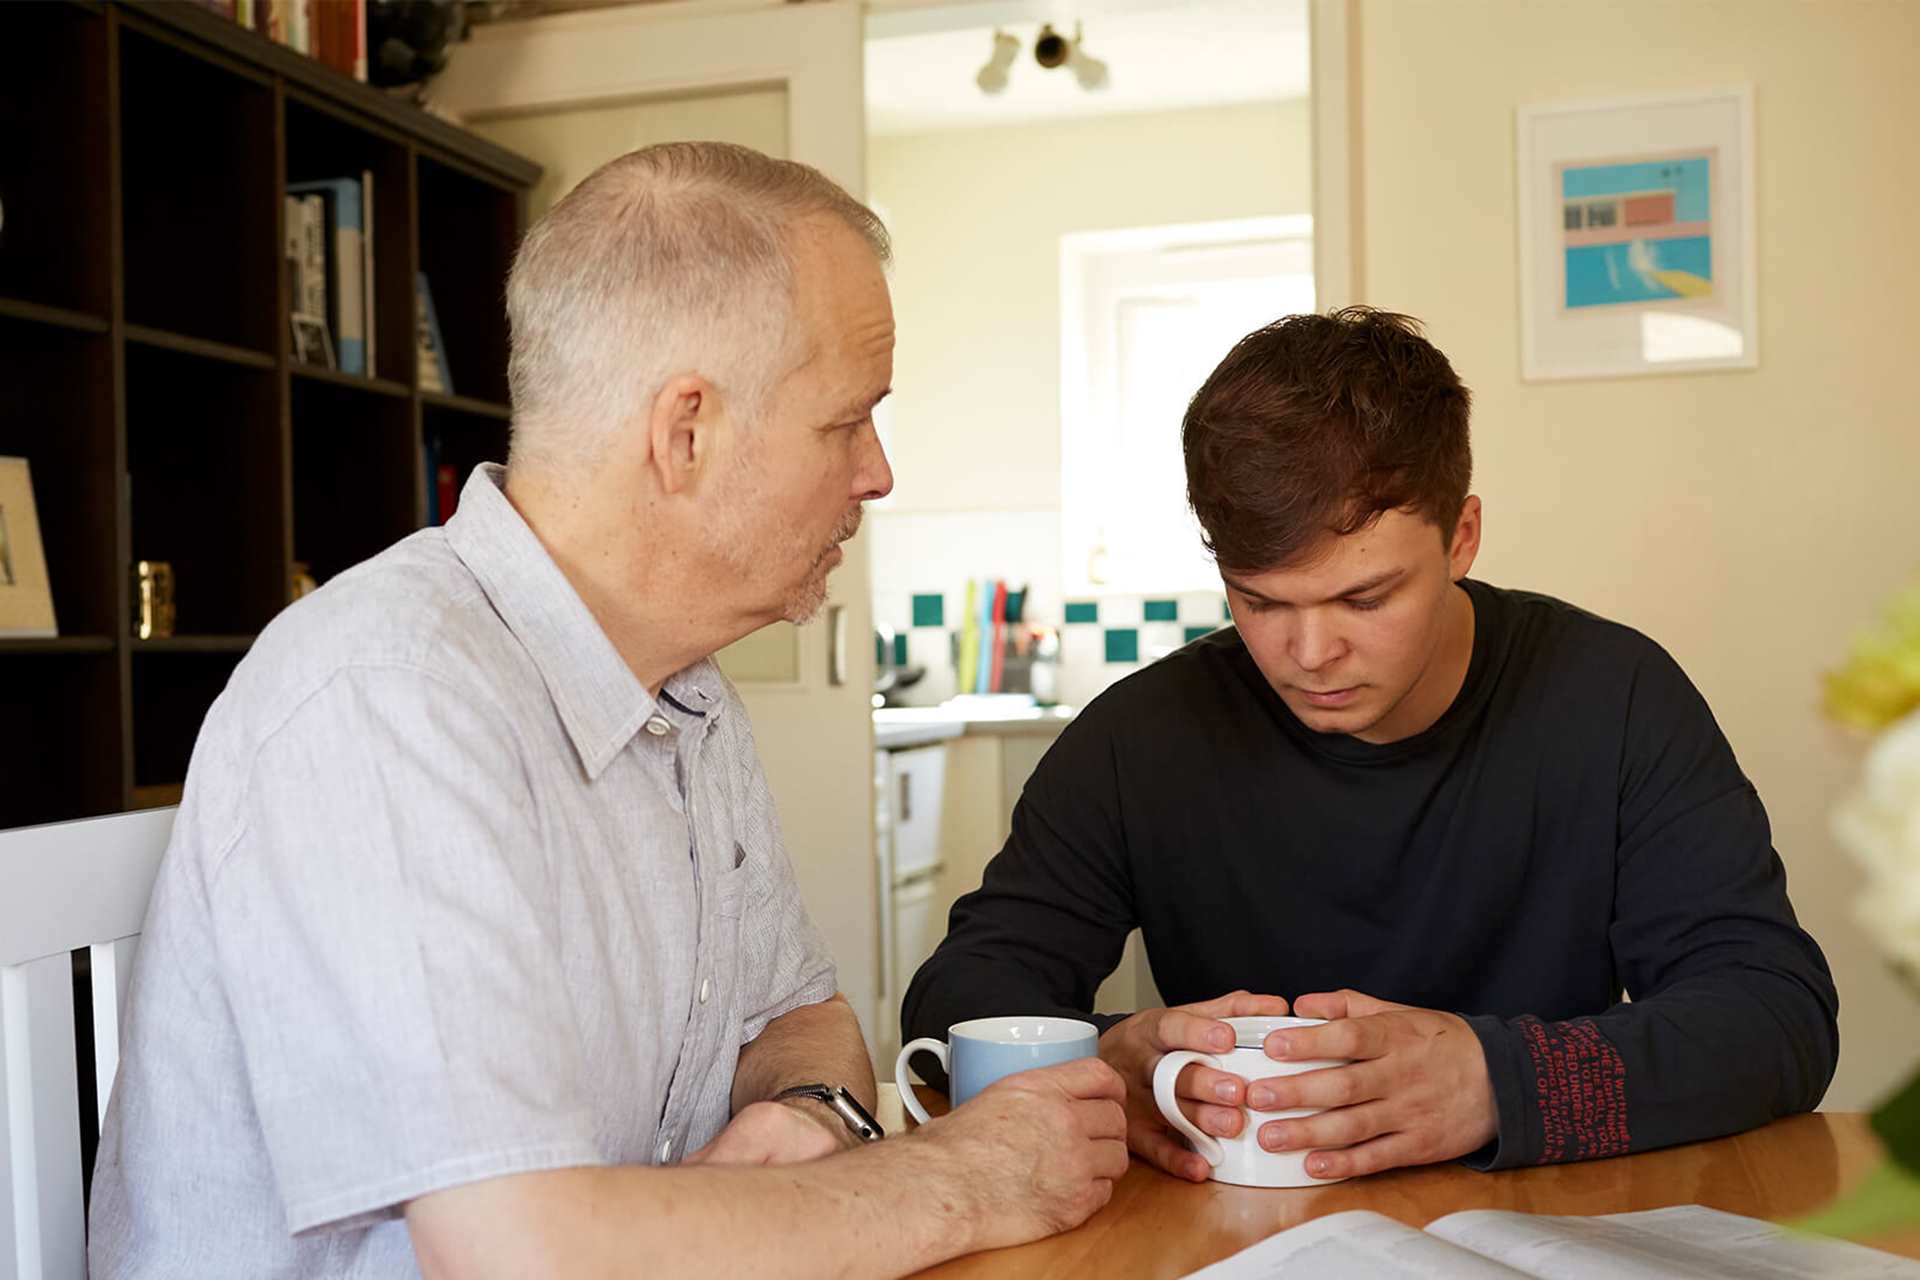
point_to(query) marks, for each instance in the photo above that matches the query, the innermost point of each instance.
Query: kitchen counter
(918, 726)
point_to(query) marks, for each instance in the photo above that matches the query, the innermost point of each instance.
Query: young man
(476, 952)
(1459, 821)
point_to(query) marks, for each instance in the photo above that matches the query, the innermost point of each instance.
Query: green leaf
(1897, 1124)
(1888, 1200)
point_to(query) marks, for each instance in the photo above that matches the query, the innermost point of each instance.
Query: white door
(574, 90)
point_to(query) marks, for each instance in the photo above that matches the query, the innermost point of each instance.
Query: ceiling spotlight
(1087, 69)
(1051, 49)
(993, 76)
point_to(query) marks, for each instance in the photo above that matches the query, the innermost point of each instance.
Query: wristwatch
(843, 1104)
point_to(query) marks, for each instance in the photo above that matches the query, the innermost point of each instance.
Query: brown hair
(1317, 424)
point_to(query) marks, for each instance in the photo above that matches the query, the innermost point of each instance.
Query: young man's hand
(1211, 1099)
(1416, 1092)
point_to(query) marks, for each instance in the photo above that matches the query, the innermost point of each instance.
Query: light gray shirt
(450, 896)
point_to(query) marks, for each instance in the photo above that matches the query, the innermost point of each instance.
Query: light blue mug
(979, 1052)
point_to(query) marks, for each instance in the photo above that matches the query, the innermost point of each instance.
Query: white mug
(1242, 1160)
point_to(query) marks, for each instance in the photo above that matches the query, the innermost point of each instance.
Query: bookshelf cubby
(150, 382)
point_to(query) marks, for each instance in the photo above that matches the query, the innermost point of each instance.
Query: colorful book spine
(430, 473)
(366, 270)
(447, 482)
(430, 350)
(343, 198)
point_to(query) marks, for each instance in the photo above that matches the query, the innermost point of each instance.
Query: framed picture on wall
(1637, 240)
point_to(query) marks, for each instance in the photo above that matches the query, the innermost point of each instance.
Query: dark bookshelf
(145, 352)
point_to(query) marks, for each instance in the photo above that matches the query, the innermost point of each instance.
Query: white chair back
(62, 887)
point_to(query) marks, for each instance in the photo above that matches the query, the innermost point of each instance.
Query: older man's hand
(777, 1133)
(1031, 1154)
(1417, 1090)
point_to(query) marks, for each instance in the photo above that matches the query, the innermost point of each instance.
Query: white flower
(1879, 824)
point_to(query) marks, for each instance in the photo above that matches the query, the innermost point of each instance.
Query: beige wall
(572, 142)
(977, 217)
(1749, 521)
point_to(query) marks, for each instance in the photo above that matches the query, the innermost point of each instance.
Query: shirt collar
(600, 701)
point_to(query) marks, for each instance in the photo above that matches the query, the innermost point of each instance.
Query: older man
(477, 952)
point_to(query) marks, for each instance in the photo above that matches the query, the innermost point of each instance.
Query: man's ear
(681, 428)
(1465, 546)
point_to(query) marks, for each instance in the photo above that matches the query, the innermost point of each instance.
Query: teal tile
(930, 611)
(900, 650)
(1123, 644)
(879, 650)
(1160, 611)
(1083, 611)
(1194, 633)
(1226, 610)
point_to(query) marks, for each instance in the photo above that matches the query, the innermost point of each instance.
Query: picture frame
(26, 595)
(311, 343)
(1638, 248)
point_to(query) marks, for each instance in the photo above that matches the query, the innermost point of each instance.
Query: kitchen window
(1146, 314)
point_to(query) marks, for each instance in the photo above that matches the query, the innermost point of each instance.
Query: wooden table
(1159, 1226)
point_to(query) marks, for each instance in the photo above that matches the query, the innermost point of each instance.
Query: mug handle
(938, 1048)
(1164, 1074)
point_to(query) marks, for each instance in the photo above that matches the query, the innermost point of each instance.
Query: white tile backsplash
(938, 552)
(1158, 639)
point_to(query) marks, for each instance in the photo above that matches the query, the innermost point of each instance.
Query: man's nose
(874, 479)
(1315, 642)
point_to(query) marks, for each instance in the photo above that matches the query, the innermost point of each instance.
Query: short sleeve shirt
(450, 896)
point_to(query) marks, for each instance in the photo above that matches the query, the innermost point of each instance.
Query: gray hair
(671, 259)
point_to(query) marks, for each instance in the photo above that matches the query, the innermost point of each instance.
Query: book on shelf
(429, 473)
(306, 263)
(340, 35)
(1496, 1244)
(300, 26)
(429, 350)
(349, 266)
(447, 489)
(442, 481)
(329, 31)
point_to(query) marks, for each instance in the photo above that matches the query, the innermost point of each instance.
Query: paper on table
(1356, 1245)
(1686, 1240)
(1487, 1244)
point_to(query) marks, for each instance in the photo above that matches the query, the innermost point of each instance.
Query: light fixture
(1051, 49)
(1087, 69)
(993, 77)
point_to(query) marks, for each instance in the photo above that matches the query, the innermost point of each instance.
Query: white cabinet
(910, 796)
(915, 802)
(941, 813)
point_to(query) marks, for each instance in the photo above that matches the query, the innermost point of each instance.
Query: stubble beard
(803, 605)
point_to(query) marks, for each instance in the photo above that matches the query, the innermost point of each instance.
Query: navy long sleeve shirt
(1572, 831)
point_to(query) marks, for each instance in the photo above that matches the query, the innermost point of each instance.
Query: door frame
(814, 52)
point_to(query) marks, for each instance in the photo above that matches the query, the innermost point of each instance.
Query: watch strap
(842, 1103)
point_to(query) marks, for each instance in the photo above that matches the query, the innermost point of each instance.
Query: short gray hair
(671, 259)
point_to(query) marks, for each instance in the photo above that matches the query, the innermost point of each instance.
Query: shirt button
(666, 1151)
(705, 985)
(658, 726)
